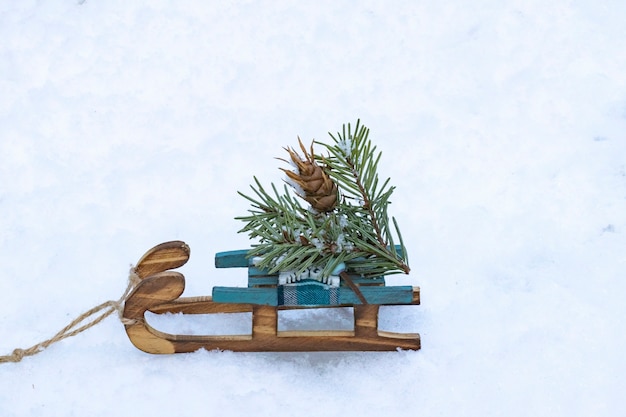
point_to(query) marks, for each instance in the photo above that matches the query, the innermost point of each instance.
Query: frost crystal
(312, 272)
(343, 244)
(343, 220)
(345, 145)
(341, 240)
(278, 259)
(318, 243)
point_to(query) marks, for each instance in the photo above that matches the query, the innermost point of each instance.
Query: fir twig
(354, 230)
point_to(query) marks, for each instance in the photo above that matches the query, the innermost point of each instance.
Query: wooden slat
(206, 305)
(232, 259)
(378, 295)
(268, 296)
(263, 281)
(257, 296)
(199, 305)
(260, 279)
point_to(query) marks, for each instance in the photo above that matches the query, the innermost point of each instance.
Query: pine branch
(357, 154)
(354, 230)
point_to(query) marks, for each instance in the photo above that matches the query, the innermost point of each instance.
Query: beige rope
(106, 309)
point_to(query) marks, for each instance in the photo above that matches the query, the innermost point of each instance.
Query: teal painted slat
(262, 281)
(378, 295)
(396, 295)
(231, 259)
(253, 271)
(260, 296)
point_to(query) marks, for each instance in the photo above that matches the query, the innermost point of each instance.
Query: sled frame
(159, 290)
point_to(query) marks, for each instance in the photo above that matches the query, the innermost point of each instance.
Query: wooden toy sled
(160, 288)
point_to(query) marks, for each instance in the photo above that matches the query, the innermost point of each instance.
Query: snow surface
(502, 124)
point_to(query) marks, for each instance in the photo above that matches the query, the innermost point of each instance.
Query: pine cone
(316, 186)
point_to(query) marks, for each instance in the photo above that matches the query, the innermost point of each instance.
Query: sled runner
(159, 290)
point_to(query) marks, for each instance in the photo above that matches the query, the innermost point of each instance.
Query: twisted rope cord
(105, 309)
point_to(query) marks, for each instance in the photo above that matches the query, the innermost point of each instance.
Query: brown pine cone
(317, 188)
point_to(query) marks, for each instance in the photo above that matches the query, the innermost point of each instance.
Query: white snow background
(502, 124)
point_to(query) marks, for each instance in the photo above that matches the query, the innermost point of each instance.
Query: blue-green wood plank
(256, 280)
(262, 280)
(231, 259)
(378, 295)
(259, 296)
(269, 296)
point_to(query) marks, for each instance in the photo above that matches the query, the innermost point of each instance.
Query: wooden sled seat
(160, 288)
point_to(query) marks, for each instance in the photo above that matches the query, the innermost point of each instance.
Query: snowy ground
(502, 124)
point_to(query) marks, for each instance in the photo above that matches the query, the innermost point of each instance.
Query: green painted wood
(253, 271)
(259, 296)
(395, 295)
(264, 280)
(232, 259)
